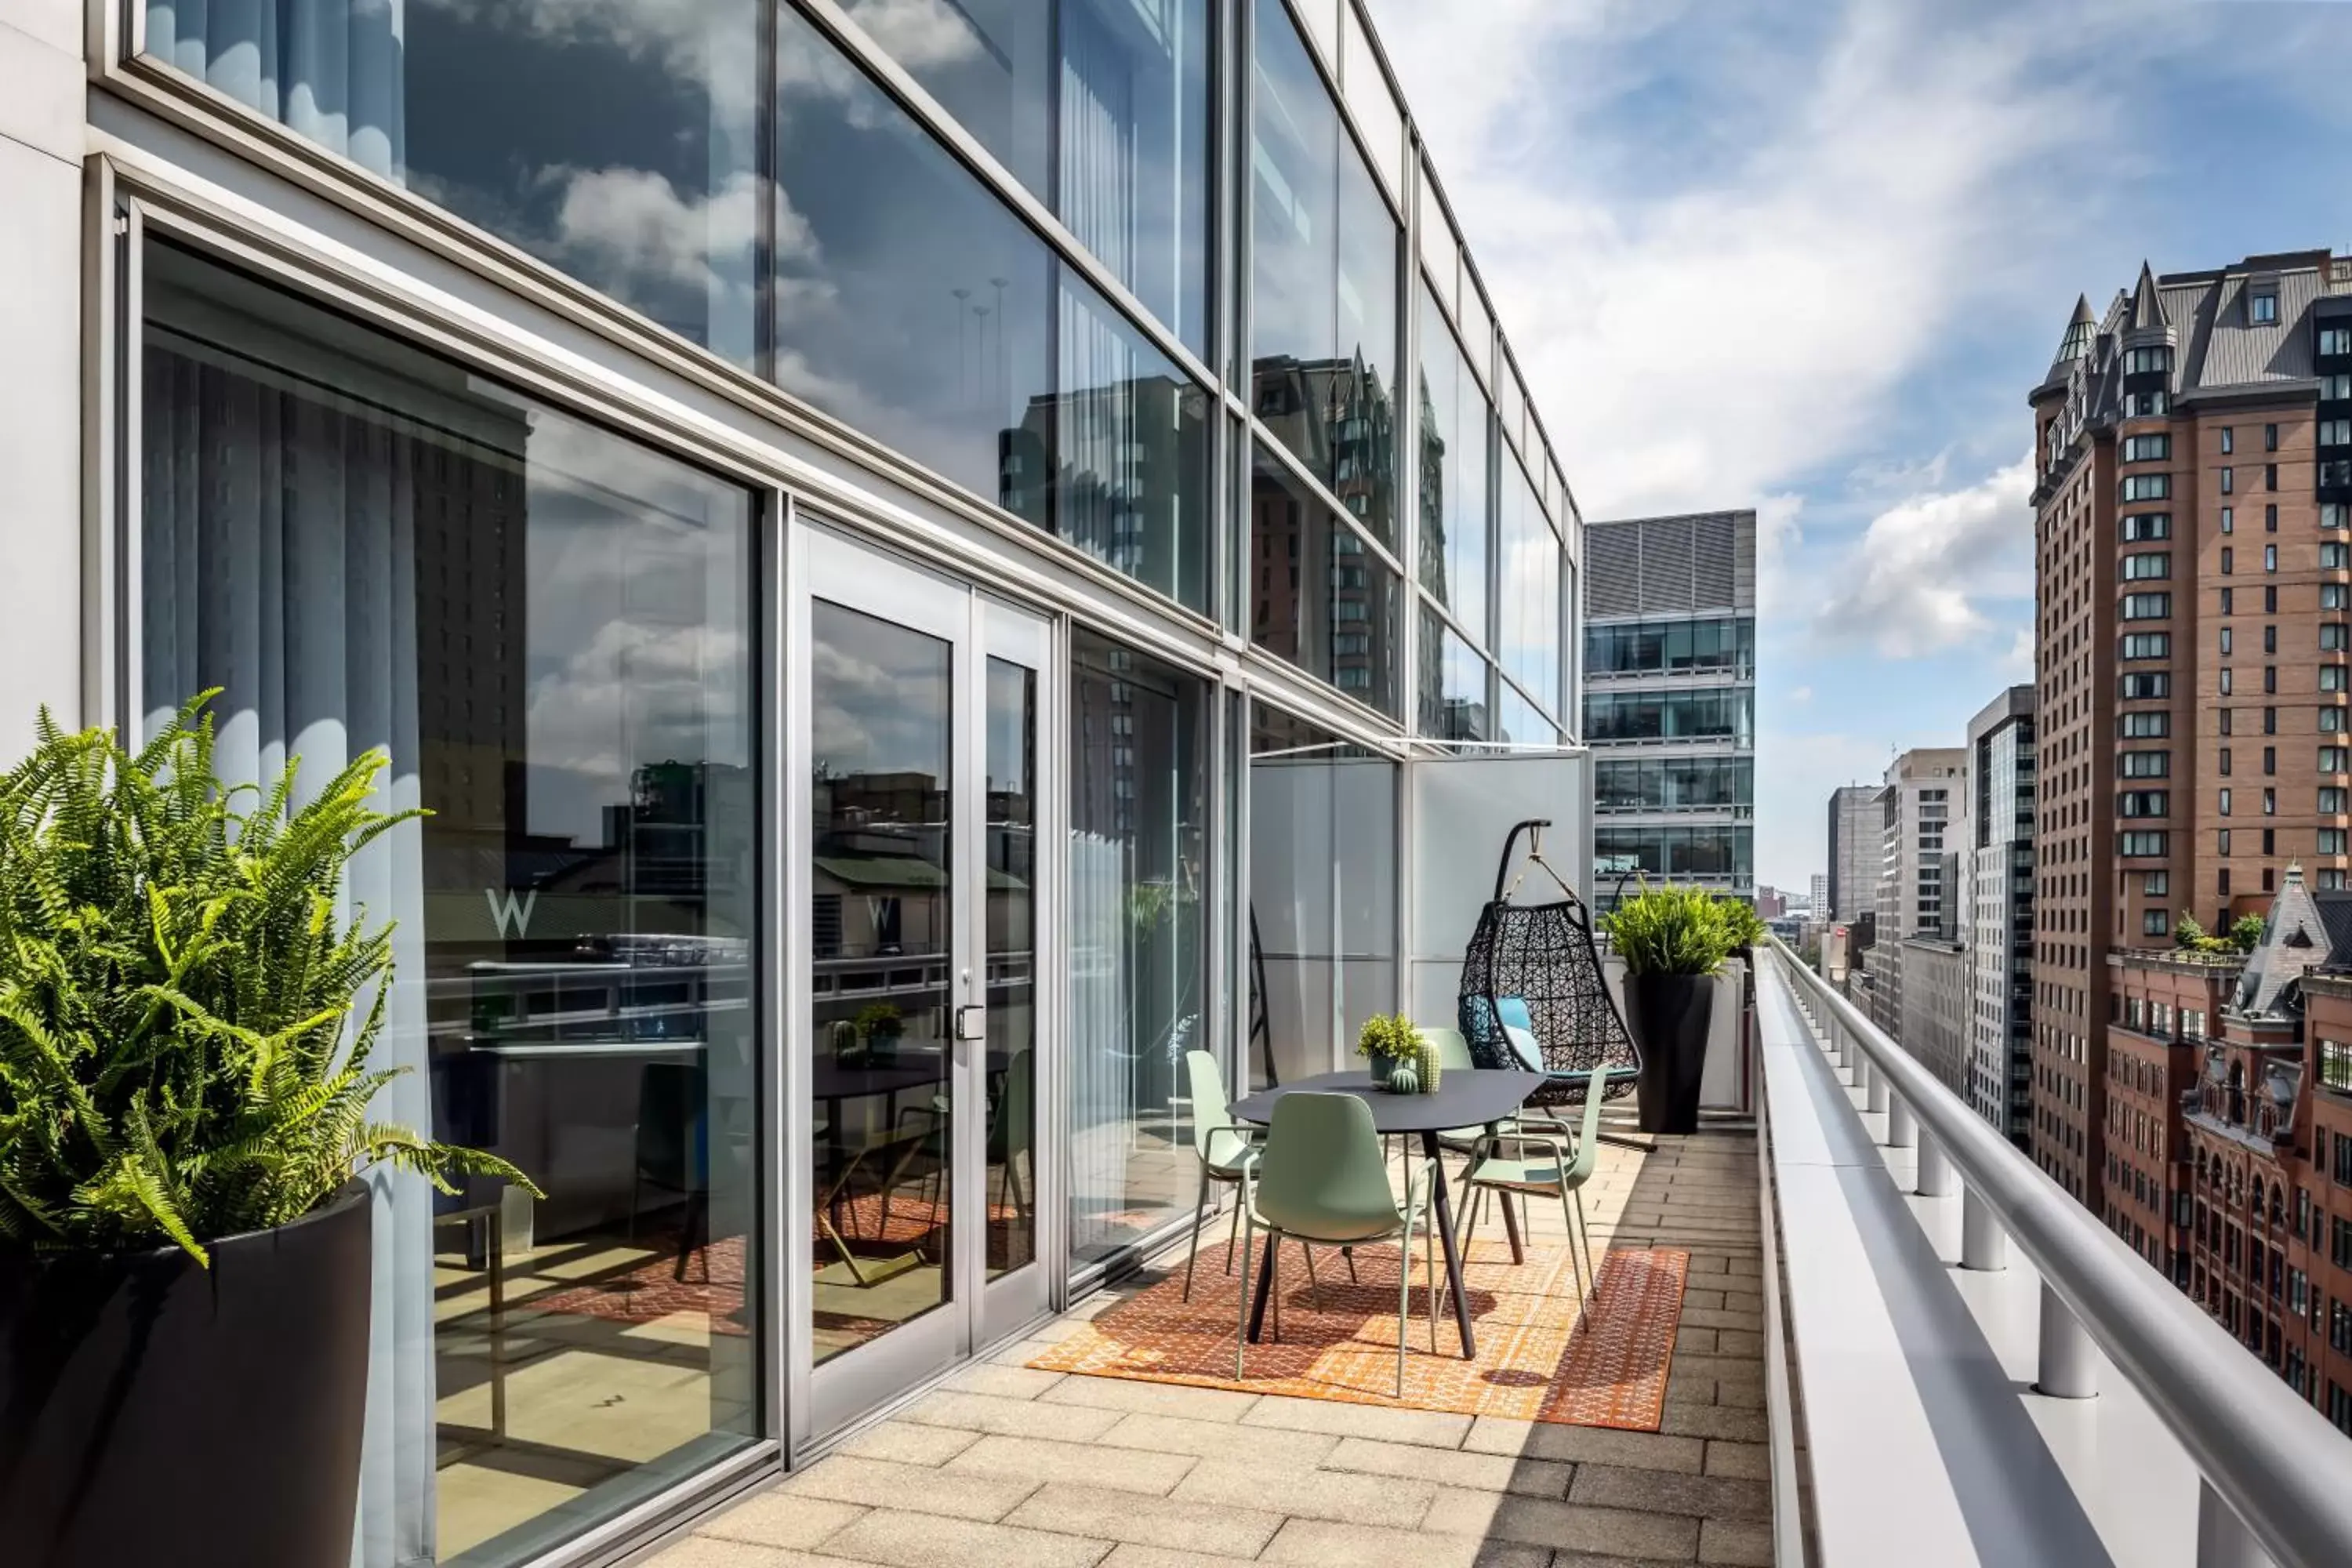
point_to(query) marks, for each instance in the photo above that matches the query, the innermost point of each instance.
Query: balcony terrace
(1898, 1342)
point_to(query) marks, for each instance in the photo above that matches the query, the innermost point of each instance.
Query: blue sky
(1809, 255)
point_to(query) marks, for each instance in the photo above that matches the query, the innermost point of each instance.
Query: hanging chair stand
(1542, 957)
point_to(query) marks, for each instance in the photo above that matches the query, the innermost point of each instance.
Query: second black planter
(1670, 1018)
(153, 1412)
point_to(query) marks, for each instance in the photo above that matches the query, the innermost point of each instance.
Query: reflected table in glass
(1470, 1098)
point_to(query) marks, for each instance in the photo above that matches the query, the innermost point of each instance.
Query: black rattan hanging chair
(1541, 956)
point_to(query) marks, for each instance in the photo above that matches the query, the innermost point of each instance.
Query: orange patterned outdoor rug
(1538, 1357)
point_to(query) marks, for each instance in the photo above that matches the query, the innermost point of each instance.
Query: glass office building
(905, 547)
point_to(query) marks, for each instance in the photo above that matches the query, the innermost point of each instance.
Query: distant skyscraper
(1857, 845)
(1670, 697)
(1820, 895)
(1925, 793)
(2000, 918)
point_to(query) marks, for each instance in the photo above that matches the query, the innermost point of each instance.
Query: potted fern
(1671, 940)
(185, 1027)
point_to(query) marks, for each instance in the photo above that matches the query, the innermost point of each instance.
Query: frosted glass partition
(1372, 102)
(1323, 891)
(1322, 19)
(1463, 808)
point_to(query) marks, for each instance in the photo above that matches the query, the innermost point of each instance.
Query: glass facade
(550, 630)
(1660, 784)
(1023, 868)
(1453, 475)
(1703, 851)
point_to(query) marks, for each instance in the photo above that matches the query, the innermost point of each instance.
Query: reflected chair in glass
(1321, 1178)
(1543, 1159)
(673, 1153)
(1011, 1123)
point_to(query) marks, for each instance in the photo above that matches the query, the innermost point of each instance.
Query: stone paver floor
(1008, 1467)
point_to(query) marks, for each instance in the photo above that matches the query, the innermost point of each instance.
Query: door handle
(972, 1022)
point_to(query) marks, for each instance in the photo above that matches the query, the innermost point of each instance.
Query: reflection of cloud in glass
(879, 697)
(706, 43)
(633, 224)
(917, 33)
(637, 609)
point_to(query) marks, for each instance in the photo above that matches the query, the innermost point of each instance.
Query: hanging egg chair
(1533, 996)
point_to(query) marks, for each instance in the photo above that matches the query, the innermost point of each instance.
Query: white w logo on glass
(511, 913)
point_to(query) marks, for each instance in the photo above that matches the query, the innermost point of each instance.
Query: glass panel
(1323, 282)
(1478, 331)
(1140, 752)
(1132, 115)
(1453, 476)
(1440, 254)
(1363, 402)
(1453, 684)
(1323, 834)
(1374, 106)
(1528, 567)
(882, 939)
(614, 142)
(909, 303)
(1131, 440)
(1011, 938)
(988, 62)
(550, 630)
(1519, 721)
(1295, 257)
(1319, 598)
(914, 306)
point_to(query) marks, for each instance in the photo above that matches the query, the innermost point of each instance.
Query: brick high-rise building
(2193, 531)
(2266, 1166)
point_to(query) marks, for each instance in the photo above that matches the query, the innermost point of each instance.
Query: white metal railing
(2277, 1479)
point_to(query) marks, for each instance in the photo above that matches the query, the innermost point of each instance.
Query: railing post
(1935, 1171)
(1983, 1244)
(1902, 1127)
(2223, 1539)
(1881, 1091)
(2069, 1362)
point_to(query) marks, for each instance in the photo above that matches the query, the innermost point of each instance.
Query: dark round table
(1464, 1098)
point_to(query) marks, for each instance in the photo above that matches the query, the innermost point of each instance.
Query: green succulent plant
(1405, 1078)
(1672, 930)
(185, 1023)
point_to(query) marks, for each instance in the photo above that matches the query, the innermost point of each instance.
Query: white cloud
(1915, 582)
(1800, 694)
(1711, 341)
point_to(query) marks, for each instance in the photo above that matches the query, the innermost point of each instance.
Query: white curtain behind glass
(1102, 1044)
(279, 560)
(332, 69)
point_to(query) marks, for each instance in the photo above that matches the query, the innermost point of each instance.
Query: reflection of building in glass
(1317, 597)
(1338, 418)
(1670, 666)
(1110, 467)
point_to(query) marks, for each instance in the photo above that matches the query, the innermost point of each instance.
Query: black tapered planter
(152, 1412)
(1670, 1018)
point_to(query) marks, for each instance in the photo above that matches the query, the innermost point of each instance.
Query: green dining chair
(1543, 1160)
(1227, 1149)
(1320, 1178)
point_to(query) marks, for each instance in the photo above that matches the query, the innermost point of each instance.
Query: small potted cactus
(1397, 1052)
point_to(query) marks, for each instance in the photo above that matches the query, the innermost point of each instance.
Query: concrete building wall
(42, 88)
